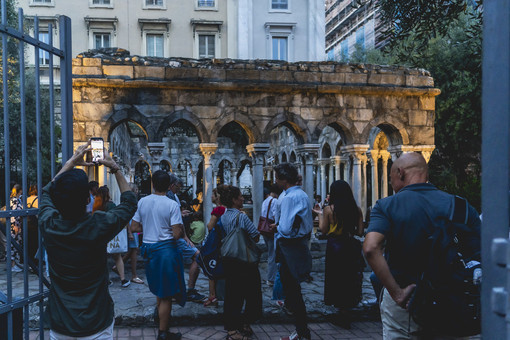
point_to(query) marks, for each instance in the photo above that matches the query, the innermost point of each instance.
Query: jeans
(271, 264)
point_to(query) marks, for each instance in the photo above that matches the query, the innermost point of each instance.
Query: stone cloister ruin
(211, 121)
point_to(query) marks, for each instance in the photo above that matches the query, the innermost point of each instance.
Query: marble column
(257, 152)
(364, 185)
(215, 178)
(194, 180)
(374, 156)
(357, 151)
(337, 161)
(331, 174)
(385, 155)
(346, 160)
(234, 176)
(309, 153)
(318, 179)
(324, 189)
(207, 150)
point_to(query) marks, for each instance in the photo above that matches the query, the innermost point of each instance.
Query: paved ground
(360, 330)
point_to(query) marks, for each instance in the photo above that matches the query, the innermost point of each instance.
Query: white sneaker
(16, 269)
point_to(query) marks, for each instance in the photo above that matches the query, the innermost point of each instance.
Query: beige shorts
(106, 334)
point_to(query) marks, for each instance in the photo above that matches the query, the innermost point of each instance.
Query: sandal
(236, 335)
(137, 280)
(247, 331)
(211, 301)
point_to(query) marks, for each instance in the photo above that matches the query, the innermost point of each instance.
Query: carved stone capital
(156, 150)
(207, 150)
(308, 152)
(257, 152)
(357, 151)
(337, 160)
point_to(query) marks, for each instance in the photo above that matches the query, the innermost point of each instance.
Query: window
(101, 40)
(206, 46)
(42, 1)
(344, 51)
(158, 3)
(44, 57)
(279, 4)
(155, 45)
(45, 3)
(101, 2)
(280, 48)
(206, 3)
(360, 38)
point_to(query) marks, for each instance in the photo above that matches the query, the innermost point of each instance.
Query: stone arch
(284, 157)
(251, 129)
(128, 115)
(292, 157)
(175, 116)
(143, 175)
(162, 166)
(326, 151)
(343, 126)
(292, 121)
(393, 128)
(224, 158)
(243, 159)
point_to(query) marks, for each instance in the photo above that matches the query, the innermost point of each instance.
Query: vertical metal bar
(7, 164)
(39, 167)
(66, 84)
(495, 156)
(52, 105)
(24, 185)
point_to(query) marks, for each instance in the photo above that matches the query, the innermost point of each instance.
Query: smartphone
(97, 145)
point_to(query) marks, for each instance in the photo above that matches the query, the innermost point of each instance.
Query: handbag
(240, 246)
(265, 222)
(119, 243)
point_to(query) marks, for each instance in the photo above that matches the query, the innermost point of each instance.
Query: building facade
(268, 29)
(349, 26)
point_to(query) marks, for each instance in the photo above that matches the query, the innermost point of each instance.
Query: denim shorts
(186, 250)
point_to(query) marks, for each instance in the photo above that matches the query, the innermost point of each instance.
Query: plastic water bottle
(477, 276)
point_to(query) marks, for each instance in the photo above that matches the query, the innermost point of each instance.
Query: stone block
(92, 94)
(91, 111)
(311, 113)
(303, 100)
(91, 71)
(386, 79)
(118, 70)
(181, 73)
(422, 135)
(417, 118)
(77, 62)
(389, 102)
(419, 81)
(360, 126)
(207, 112)
(427, 103)
(92, 61)
(356, 78)
(355, 102)
(335, 77)
(153, 72)
(93, 129)
(155, 110)
(243, 75)
(360, 114)
(215, 74)
(169, 96)
(76, 94)
(327, 68)
(276, 76)
(408, 103)
(344, 68)
(307, 77)
(262, 111)
(79, 133)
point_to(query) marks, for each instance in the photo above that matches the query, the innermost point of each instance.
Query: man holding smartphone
(79, 302)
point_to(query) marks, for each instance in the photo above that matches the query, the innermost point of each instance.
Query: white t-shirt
(265, 206)
(157, 214)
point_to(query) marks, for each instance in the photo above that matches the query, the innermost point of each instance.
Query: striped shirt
(228, 220)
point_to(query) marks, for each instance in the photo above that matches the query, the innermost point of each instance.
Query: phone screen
(97, 149)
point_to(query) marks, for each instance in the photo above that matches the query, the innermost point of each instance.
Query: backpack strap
(460, 211)
(269, 208)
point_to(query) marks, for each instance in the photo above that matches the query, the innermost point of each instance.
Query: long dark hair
(345, 208)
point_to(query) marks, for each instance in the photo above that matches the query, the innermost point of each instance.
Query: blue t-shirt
(407, 218)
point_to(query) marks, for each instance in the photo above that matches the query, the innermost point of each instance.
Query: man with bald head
(404, 221)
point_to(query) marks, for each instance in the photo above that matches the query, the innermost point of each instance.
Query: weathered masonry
(208, 119)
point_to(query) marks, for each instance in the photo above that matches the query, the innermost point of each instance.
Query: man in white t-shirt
(160, 220)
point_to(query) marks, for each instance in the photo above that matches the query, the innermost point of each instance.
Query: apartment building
(290, 30)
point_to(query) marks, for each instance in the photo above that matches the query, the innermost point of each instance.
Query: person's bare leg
(120, 265)
(133, 261)
(127, 255)
(212, 289)
(193, 272)
(164, 310)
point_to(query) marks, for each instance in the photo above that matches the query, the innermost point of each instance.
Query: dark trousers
(242, 287)
(294, 298)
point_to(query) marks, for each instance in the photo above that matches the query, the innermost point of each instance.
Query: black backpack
(446, 300)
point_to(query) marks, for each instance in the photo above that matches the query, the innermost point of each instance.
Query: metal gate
(13, 309)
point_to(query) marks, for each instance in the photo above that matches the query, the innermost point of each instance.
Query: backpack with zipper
(446, 300)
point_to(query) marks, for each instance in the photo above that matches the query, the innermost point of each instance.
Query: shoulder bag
(265, 222)
(239, 245)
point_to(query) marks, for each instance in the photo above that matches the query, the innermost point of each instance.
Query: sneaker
(194, 296)
(125, 283)
(295, 336)
(168, 335)
(16, 269)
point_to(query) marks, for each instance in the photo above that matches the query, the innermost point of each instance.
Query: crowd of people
(77, 219)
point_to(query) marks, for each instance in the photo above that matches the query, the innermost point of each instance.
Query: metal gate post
(66, 86)
(495, 168)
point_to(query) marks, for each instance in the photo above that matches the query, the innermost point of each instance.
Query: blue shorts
(186, 250)
(133, 243)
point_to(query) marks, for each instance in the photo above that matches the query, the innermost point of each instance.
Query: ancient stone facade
(370, 113)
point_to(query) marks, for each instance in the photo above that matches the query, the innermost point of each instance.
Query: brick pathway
(326, 331)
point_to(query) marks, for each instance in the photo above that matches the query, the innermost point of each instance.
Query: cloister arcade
(225, 121)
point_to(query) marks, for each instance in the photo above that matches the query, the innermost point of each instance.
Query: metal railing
(18, 36)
